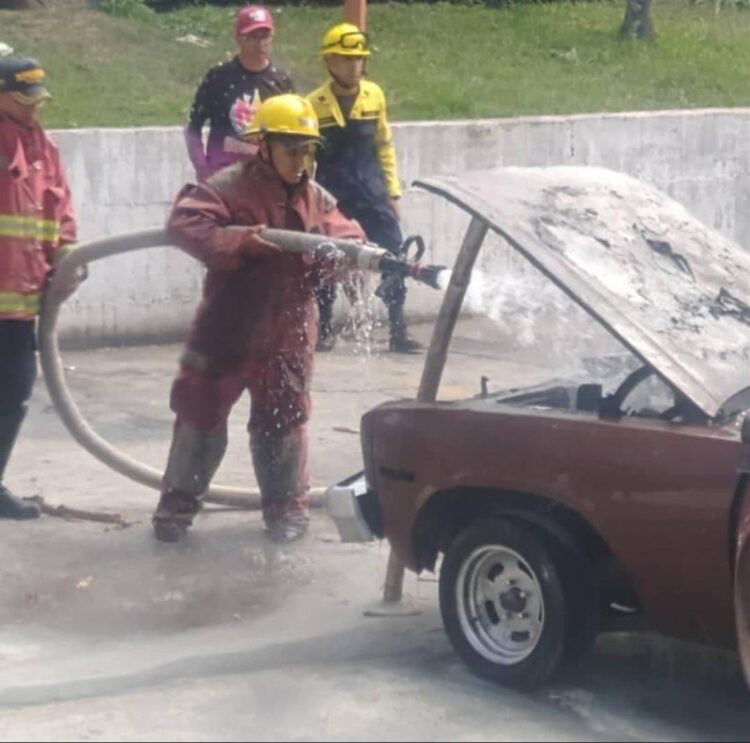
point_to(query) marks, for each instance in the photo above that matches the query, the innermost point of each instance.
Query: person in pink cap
(231, 92)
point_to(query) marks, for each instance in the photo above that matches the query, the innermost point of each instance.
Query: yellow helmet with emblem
(345, 39)
(288, 114)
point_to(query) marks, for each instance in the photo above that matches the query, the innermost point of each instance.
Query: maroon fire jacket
(254, 306)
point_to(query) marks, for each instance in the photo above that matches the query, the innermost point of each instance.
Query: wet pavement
(106, 634)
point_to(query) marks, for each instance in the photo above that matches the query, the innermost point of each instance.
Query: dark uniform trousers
(382, 228)
(17, 375)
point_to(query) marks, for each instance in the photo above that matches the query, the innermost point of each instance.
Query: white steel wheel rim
(500, 604)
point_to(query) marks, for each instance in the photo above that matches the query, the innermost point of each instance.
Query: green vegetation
(435, 61)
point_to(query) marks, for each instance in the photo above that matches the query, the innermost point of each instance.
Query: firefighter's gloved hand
(254, 245)
(63, 288)
(63, 285)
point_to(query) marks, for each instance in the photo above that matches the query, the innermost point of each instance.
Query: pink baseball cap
(252, 18)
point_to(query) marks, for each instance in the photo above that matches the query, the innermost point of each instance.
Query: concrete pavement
(106, 634)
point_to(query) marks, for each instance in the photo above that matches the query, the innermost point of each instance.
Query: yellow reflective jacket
(357, 159)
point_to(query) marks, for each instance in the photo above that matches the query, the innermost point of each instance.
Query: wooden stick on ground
(77, 514)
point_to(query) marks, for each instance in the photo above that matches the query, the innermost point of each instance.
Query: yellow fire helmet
(345, 39)
(288, 114)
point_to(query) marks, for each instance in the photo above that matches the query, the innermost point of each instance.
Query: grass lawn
(435, 61)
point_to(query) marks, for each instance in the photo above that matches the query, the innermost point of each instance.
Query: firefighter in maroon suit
(256, 326)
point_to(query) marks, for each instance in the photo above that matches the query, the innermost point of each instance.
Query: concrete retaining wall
(125, 179)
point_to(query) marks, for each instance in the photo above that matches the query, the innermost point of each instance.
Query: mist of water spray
(535, 318)
(444, 279)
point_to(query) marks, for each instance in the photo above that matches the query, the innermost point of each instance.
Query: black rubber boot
(174, 515)
(280, 464)
(12, 507)
(326, 339)
(291, 527)
(325, 296)
(400, 341)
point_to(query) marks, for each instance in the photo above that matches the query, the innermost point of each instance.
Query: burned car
(556, 512)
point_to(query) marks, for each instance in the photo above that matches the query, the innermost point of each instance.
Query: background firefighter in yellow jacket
(357, 164)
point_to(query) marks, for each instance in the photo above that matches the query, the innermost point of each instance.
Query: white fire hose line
(362, 256)
(62, 398)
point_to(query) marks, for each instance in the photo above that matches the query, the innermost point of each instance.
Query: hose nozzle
(364, 256)
(426, 274)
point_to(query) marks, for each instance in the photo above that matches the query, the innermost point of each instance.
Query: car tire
(582, 602)
(503, 604)
(583, 614)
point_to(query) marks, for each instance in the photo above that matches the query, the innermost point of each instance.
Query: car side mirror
(483, 385)
(589, 398)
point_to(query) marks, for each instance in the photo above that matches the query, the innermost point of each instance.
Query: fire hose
(362, 256)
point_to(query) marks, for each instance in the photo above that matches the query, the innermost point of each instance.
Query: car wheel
(502, 602)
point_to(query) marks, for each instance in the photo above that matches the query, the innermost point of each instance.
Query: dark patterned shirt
(229, 96)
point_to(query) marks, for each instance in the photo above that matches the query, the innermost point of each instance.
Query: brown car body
(662, 501)
(658, 504)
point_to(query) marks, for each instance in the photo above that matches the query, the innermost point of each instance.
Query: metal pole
(435, 361)
(355, 11)
(450, 309)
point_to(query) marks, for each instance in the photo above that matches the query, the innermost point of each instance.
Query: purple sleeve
(199, 114)
(196, 153)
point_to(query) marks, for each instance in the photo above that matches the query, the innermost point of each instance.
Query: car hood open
(672, 290)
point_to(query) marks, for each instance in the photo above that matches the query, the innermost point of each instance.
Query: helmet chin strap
(269, 158)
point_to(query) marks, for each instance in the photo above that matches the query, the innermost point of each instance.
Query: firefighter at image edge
(37, 228)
